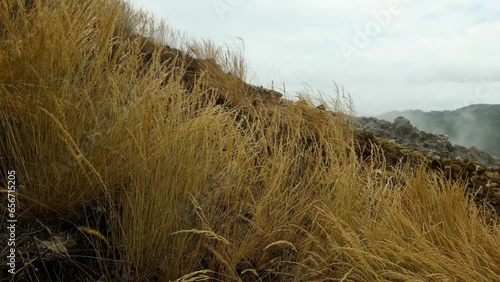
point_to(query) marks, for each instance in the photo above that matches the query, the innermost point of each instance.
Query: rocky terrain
(401, 141)
(436, 146)
(474, 125)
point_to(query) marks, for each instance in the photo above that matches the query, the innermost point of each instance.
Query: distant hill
(472, 126)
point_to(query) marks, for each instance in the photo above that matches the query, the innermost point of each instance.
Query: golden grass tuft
(196, 190)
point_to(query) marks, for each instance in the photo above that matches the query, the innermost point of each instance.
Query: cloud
(429, 55)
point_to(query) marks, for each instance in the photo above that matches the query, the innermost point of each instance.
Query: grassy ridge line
(248, 190)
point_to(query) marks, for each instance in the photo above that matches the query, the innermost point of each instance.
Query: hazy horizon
(388, 55)
(427, 111)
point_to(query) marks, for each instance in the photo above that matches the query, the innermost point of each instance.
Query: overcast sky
(387, 54)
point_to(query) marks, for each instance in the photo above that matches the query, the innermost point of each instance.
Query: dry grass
(198, 191)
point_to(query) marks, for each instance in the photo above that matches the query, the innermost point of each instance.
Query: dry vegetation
(166, 182)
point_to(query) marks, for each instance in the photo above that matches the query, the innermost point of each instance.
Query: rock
(470, 166)
(433, 145)
(481, 170)
(479, 180)
(477, 155)
(403, 125)
(264, 91)
(401, 141)
(321, 107)
(456, 168)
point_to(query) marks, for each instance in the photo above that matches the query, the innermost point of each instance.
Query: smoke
(472, 126)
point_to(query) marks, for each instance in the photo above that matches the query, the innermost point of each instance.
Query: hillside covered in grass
(137, 161)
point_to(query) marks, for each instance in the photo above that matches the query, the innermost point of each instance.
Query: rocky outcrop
(474, 125)
(402, 142)
(477, 155)
(436, 146)
(407, 136)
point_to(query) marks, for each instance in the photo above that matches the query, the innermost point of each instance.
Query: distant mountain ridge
(472, 126)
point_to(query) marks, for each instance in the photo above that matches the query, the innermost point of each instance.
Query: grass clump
(186, 175)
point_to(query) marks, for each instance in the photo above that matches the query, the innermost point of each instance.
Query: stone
(401, 141)
(482, 169)
(434, 145)
(403, 125)
(470, 166)
(456, 168)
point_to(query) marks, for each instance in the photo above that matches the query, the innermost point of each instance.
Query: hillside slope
(475, 125)
(130, 160)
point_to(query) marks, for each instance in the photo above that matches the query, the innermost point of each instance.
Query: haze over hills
(472, 126)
